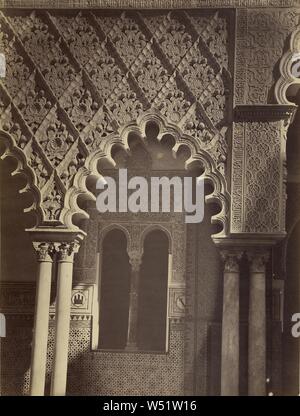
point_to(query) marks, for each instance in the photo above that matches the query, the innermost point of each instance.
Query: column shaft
(133, 311)
(41, 321)
(230, 326)
(62, 320)
(257, 325)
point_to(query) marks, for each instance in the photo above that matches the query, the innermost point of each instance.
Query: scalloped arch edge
(219, 195)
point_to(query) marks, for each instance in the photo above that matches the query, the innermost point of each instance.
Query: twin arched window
(117, 307)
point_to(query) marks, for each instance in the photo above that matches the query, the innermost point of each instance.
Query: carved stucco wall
(256, 196)
(258, 149)
(75, 79)
(261, 37)
(57, 114)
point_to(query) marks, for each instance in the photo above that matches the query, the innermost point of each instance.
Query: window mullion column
(135, 260)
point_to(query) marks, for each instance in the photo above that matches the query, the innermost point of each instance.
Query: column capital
(66, 251)
(135, 259)
(231, 258)
(44, 251)
(258, 259)
(62, 242)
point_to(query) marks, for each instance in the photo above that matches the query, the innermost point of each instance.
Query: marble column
(230, 323)
(257, 322)
(135, 261)
(41, 318)
(62, 317)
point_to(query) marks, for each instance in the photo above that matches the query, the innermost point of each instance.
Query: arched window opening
(114, 295)
(152, 308)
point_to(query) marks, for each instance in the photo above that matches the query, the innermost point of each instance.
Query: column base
(131, 347)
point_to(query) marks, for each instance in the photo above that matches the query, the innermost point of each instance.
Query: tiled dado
(18, 298)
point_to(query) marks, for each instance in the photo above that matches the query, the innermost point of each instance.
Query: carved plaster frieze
(147, 4)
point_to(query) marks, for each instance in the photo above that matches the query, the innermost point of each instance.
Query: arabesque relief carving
(74, 80)
(79, 82)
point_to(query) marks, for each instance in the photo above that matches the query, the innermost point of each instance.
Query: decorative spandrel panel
(256, 152)
(258, 174)
(259, 170)
(76, 78)
(261, 37)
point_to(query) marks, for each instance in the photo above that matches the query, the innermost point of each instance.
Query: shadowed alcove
(152, 311)
(114, 301)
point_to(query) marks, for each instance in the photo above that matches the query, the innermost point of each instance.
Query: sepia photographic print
(150, 200)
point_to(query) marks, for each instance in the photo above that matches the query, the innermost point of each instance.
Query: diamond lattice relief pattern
(76, 78)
